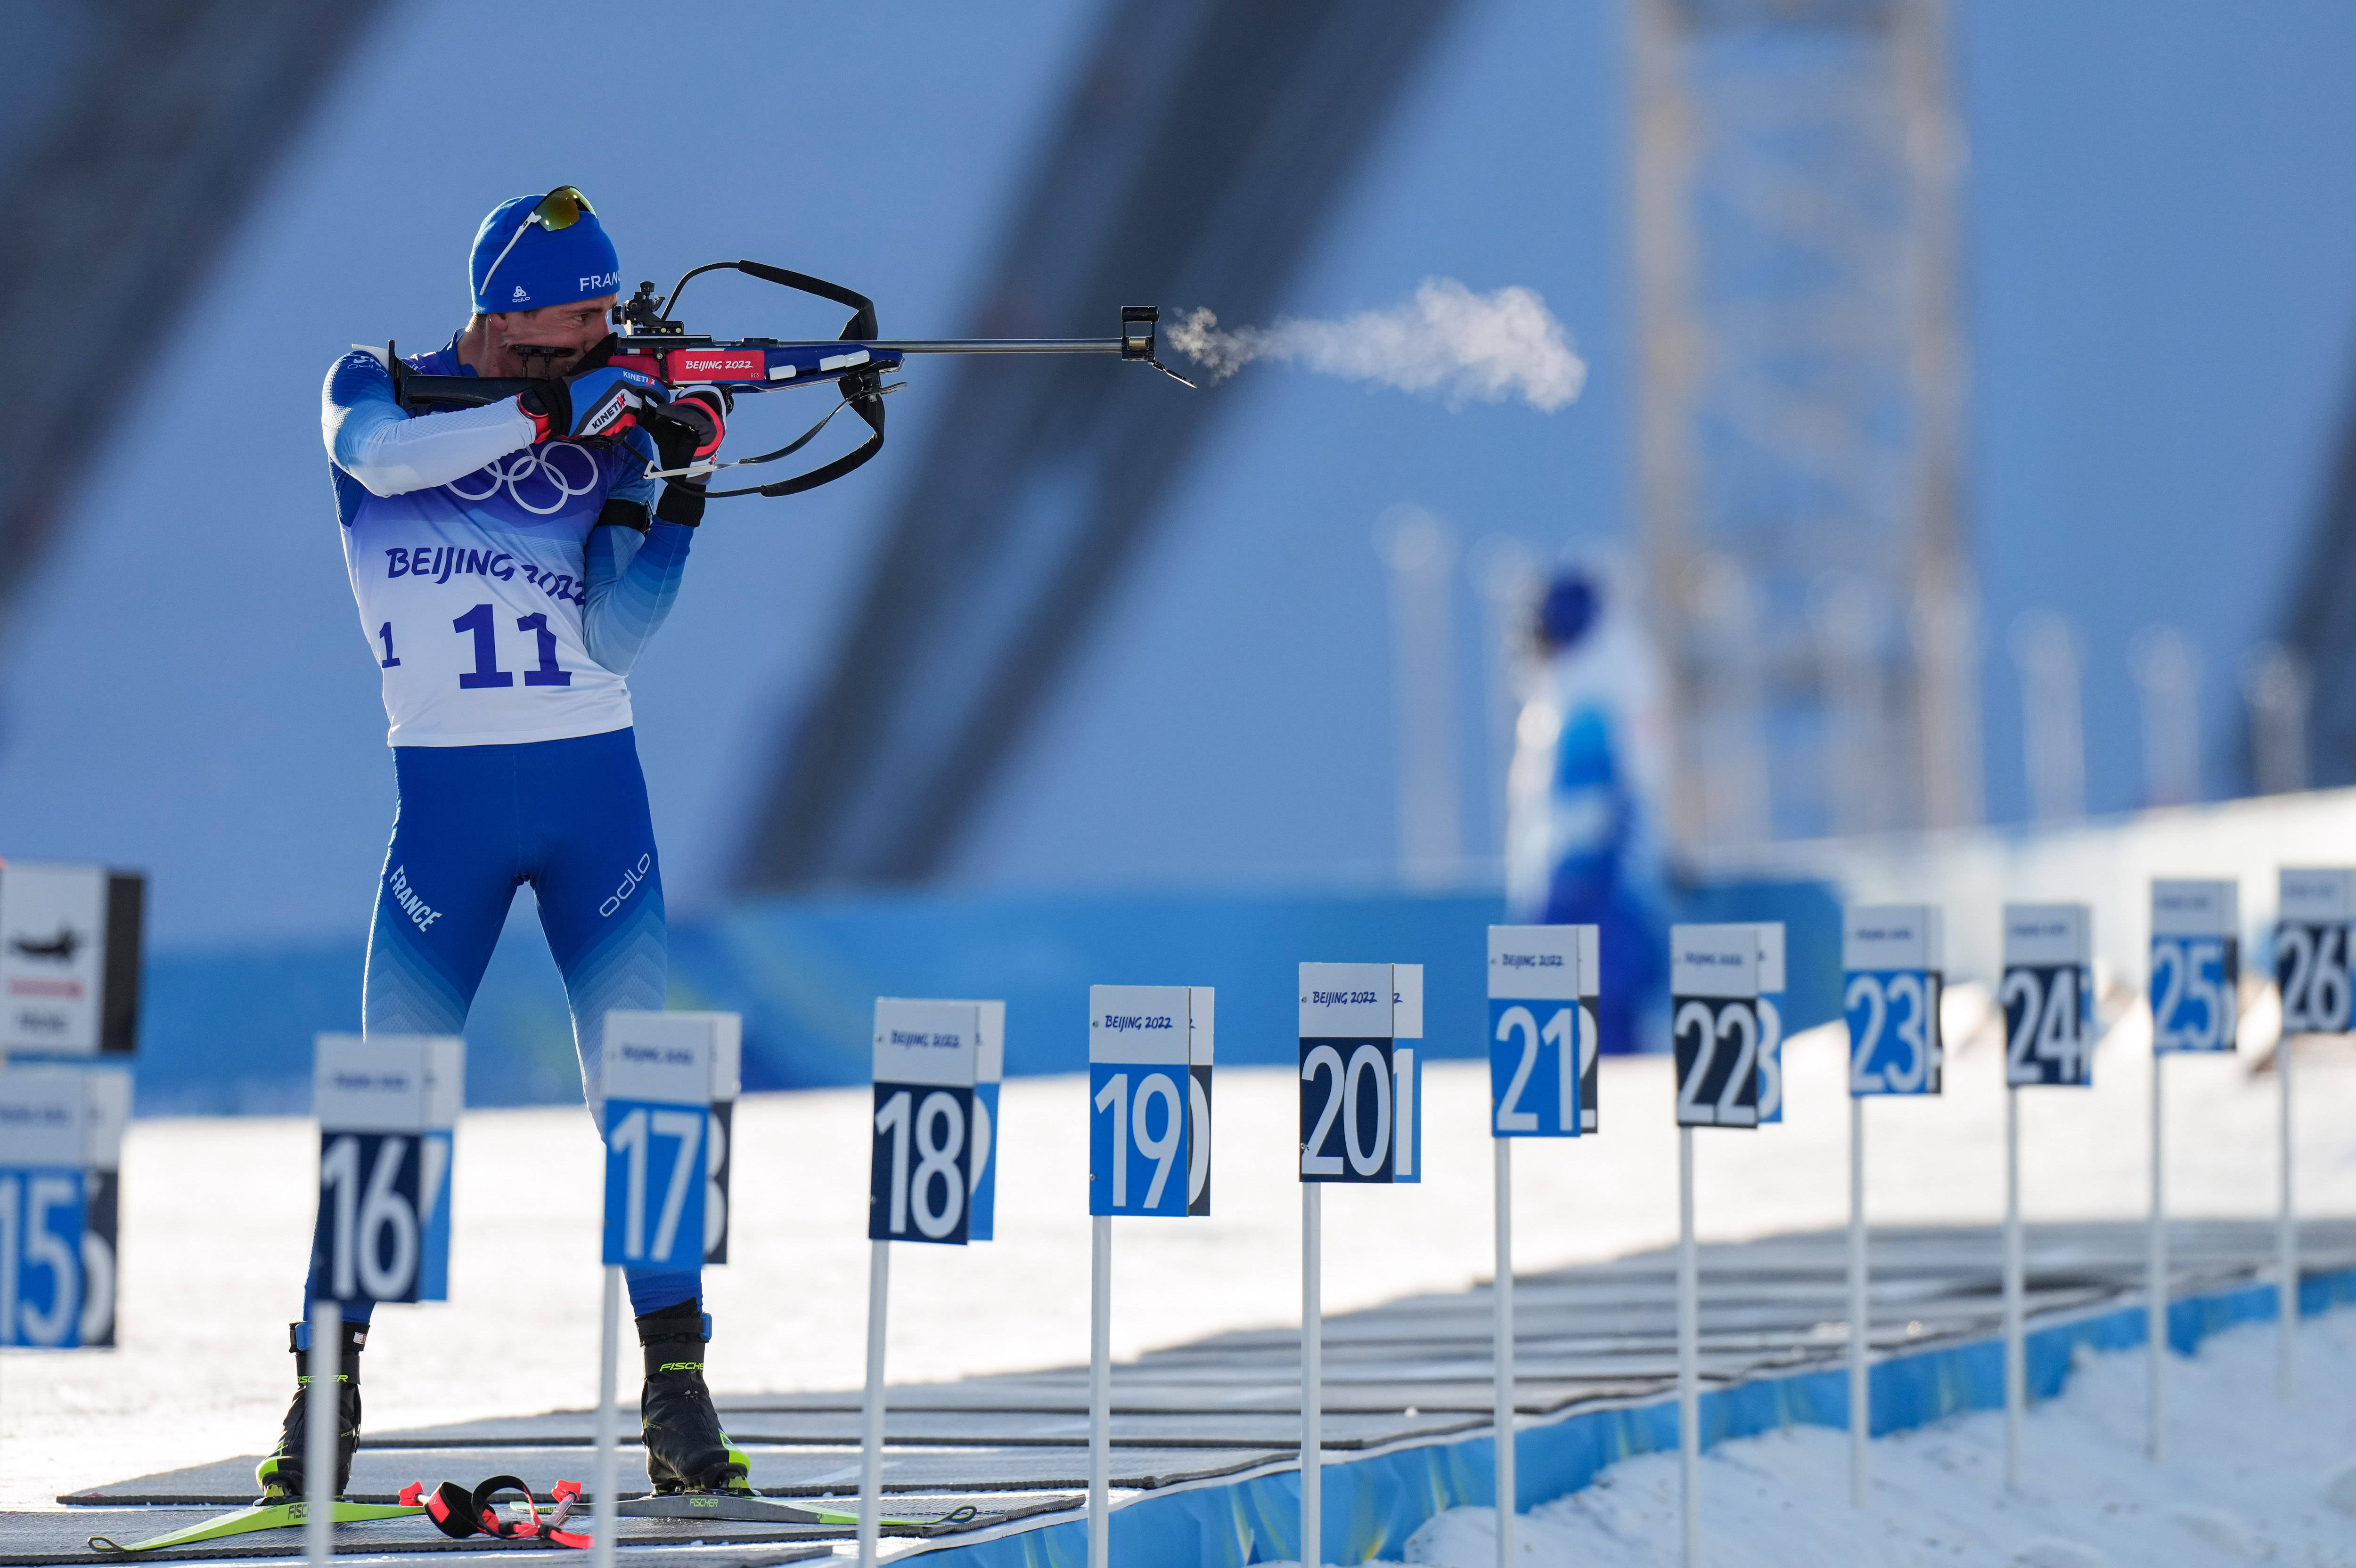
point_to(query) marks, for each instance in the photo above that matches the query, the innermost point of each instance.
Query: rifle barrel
(1001, 346)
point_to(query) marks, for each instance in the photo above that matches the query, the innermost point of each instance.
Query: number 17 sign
(658, 1071)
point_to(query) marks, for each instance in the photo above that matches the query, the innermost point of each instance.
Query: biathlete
(512, 562)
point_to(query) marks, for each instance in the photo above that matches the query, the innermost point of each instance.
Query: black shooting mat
(1050, 1428)
(1416, 1370)
(378, 1474)
(33, 1538)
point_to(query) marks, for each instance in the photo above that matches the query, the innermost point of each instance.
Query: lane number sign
(1541, 1031)
(1715, 1022)
(43, 1197)
(1360, 1080)
(1893, 963)
(383, 1178)
(657, 1121)
(2196, 970)
(1143, 1130)
(2048, 1001)
(920, 1167)
(2311, 948)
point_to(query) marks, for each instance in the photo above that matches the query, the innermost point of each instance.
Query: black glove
(690, 428)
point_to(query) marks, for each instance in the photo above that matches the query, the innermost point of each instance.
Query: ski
(737, 1508)
(259, 1516)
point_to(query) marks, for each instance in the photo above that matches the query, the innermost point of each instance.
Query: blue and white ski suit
(505, 619)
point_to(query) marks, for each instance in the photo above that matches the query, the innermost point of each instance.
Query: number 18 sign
(658, 1071)
(927, 1060)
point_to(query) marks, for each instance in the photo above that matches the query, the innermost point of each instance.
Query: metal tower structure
(133, 137)
(1800, 411)
(1202, 147)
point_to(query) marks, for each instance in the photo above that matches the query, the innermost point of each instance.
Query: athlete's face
(543, 342)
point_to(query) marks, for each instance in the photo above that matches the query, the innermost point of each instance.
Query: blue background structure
(2161, 274)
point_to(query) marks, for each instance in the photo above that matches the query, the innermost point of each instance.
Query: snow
(216, 1216)
(2247, 1478)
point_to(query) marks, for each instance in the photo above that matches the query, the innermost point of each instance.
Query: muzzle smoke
(1448, 339)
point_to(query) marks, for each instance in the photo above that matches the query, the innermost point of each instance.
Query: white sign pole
(1100, 1391)
(1505, 1365)
(1537, 1044)
(1860, 1314)
(609, 1335)
(1313, 1374)
(2155, 1286)
(2016, 1358)
(1688, 1351)
(326, 1367)
(2286, 1233)
(870, 1423)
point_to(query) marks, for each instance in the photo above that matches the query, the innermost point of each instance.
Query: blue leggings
(474, 823)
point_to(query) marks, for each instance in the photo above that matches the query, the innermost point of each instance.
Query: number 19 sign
(657, 1071)
(1148, 1125)
(927, 1060)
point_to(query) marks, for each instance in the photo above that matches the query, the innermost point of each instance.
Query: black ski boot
(686, 1450)
(280, 1474)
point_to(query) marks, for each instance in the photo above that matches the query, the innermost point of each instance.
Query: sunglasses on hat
(559, 208)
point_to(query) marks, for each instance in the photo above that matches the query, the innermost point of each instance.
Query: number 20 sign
(920, 1171)
(1149, 1111)
(1541, 1034)
(657, 1079)
(1359, 1077)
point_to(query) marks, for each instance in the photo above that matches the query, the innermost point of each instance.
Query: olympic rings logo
(535, 466)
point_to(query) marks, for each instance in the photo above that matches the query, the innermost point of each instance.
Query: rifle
(650, 341)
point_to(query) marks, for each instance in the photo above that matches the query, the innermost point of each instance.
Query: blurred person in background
(1582, 819)
(512, 562)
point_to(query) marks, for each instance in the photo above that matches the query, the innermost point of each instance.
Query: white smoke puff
(1448, 339)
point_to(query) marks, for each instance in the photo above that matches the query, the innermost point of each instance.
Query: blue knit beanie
(542, 268)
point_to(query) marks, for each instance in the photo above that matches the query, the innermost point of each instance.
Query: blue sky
(2160, 268)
